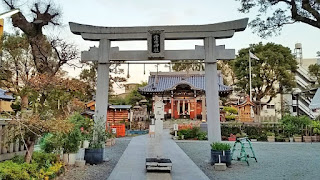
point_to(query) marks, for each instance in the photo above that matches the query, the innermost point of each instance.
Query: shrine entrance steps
(132, 164)
(168, 124)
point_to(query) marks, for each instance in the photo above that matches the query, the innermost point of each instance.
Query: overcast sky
(169, 12)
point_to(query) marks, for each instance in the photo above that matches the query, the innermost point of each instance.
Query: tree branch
(306, 6)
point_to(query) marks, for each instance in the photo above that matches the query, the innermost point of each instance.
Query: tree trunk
(24, 102)
(30, 148)
(40, 51)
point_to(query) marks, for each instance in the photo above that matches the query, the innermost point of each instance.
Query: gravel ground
(101, 171)
(275, 161)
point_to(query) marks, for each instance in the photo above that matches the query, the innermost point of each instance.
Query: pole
(297, 104)
(250, 82)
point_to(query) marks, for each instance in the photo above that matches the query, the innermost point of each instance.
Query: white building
(299, 100)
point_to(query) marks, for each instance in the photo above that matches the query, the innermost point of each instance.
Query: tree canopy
(90, 76)
(272, 74)
(314, 70)
(274, 14)
(188, 65)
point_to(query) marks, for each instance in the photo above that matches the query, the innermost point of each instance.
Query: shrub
(18, 159)
(294, 124)
(84, 124)
(230, 110)
(71, 141)
(270, 134)
(230, 117)
(192, 133)
(262, 137)
(202, 136)
(44, 159)
(51, 143)
(316, 127)
(217, 146)
(10, 170)
(43, 164)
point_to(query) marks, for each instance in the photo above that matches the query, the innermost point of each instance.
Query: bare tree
(48, 55)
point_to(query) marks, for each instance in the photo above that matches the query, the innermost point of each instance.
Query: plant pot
(94, 156)
(69, 159)
(86, 144)
(271, 138)
(109, 142)
(224, 157)
(286, 139)
(291, 139)
(65, 159)
(232, 138)
(297, 139)
(307, 139)
(318, 138)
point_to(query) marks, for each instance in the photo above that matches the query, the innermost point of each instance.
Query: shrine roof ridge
(236, 25)
(177, 73)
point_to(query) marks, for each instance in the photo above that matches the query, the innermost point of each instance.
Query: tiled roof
(4, 96)
(161, 81)
(315, 103)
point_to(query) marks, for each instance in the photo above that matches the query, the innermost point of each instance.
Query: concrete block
(220, 166)
(80, 163)
(204, 127)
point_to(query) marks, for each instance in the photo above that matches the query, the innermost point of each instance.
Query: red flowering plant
(84, 124)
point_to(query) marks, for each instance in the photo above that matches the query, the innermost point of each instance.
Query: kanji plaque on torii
(156, 36)
(156, 44)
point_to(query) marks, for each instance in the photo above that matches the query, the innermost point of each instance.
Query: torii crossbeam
(156, 36)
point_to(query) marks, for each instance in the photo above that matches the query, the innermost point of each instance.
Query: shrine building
(183, 93)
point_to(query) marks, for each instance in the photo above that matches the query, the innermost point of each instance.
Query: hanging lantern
(128, 75)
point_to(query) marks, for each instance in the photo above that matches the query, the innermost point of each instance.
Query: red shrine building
(183, 93)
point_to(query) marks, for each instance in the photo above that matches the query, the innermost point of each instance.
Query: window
(270, 106)
(294, 108)
(294, 97)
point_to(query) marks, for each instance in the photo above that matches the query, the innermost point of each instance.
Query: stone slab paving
(276, 161)
(131, 165)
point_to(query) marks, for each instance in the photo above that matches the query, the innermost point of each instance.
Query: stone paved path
(131, 165)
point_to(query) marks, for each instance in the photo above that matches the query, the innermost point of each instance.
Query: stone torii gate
(156, 36)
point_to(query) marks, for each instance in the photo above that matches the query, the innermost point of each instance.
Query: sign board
(159, 110)
(114, 130)
(175, 127)
(156, 44)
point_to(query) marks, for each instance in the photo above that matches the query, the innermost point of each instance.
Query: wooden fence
(8, 151)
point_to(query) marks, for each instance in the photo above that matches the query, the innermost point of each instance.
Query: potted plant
(232, 137)
(271, 137)
(307, 137)
(315, 131)
(222, 150)
(293, 124)
(85, 125)
(71, 143)
(279, 138)
(109, 139)
(297, 138)
(253, 138)
(94, 154)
